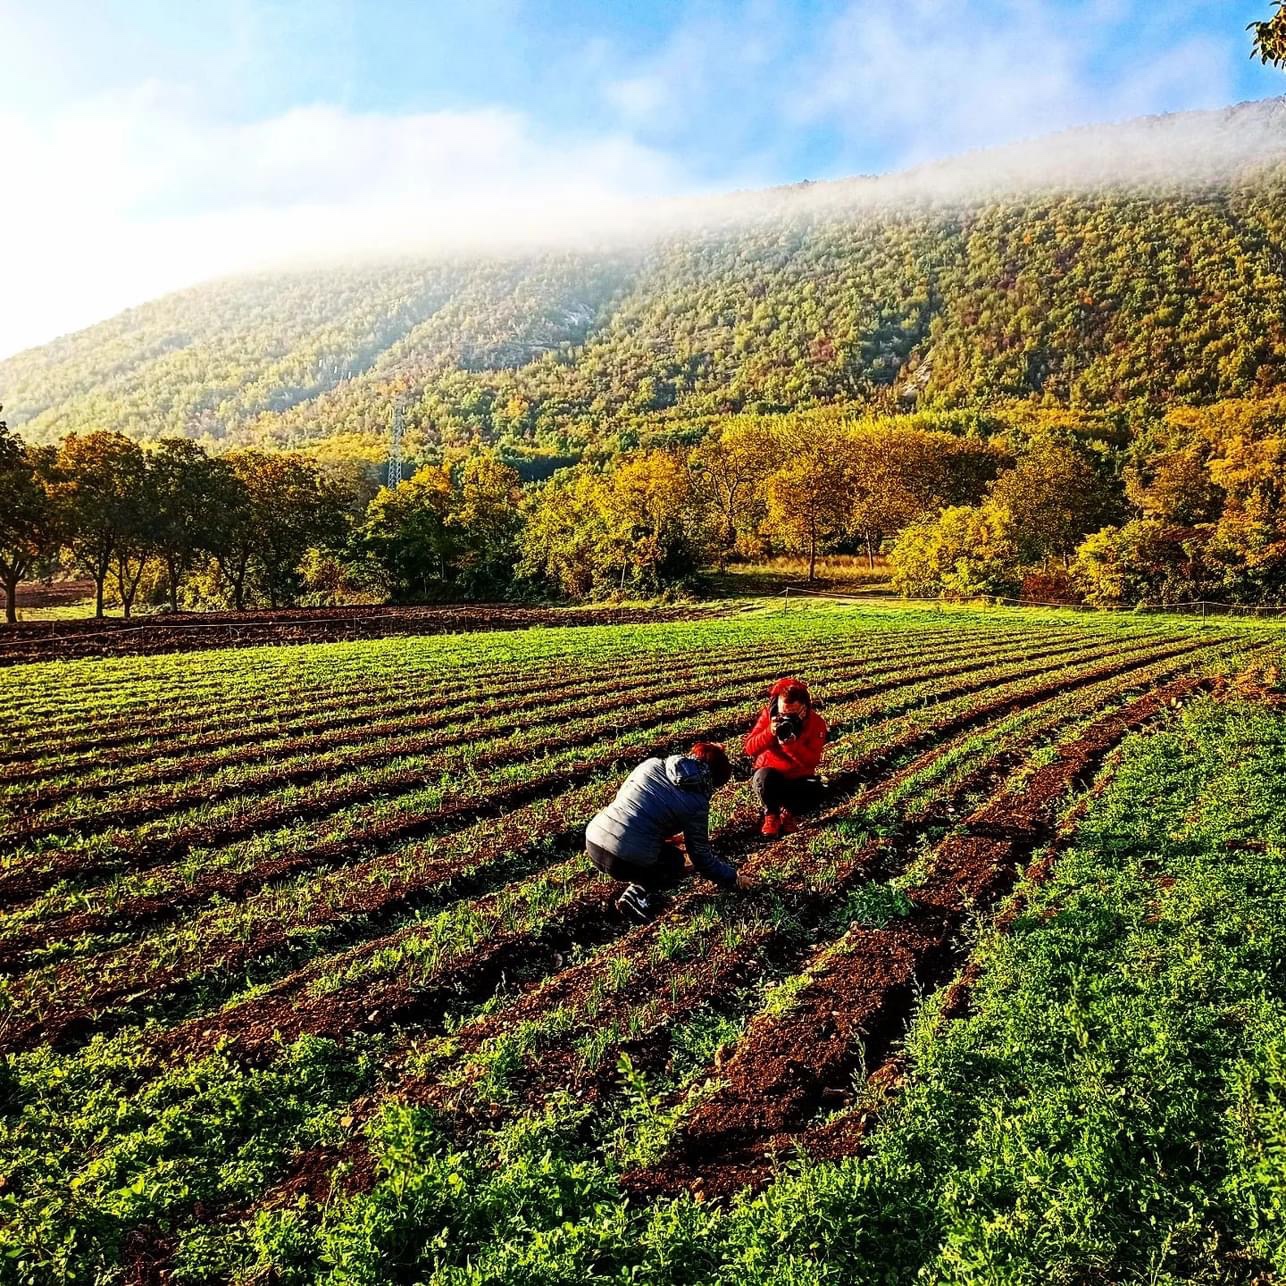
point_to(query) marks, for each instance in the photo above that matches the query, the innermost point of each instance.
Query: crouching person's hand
(743, 881)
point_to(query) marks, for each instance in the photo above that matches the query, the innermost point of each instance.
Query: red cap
(783, 686)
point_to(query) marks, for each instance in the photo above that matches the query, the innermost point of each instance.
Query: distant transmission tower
(395, 447)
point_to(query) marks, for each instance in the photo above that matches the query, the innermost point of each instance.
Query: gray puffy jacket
(660, 798)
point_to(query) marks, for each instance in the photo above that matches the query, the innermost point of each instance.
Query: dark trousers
(667, 872)
(777, 791)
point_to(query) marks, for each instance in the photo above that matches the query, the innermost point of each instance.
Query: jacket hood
(689, 774)
(780, 687)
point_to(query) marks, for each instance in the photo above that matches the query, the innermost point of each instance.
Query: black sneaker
(637, 903)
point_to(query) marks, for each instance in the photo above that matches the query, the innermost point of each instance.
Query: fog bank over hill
(1107, 264)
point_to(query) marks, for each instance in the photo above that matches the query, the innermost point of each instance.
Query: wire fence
(1204, 608)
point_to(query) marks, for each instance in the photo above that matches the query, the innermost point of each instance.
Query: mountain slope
(1140, 262)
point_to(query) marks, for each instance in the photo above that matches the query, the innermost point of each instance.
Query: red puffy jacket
(793, 759)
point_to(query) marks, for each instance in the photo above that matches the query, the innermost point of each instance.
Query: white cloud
(906, 81)
(934, 78)
(130, 196)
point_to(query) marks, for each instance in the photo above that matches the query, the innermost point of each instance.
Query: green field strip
(257, 678)
(61, 857)
(949, 773)
(204, 862)
(120, 1137)
(131, 689)
(358, 708)
(161, 952)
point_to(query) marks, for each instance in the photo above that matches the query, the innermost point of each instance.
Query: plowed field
(306, 978)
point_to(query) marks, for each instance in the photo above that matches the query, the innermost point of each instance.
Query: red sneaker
(771, 827)
(789, 822)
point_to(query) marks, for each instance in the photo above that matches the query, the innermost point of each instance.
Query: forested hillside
(1136, 280)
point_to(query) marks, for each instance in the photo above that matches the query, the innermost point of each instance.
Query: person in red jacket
(786, 746)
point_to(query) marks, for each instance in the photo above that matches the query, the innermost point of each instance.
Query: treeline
(1193, 508)
(1054, 506)
(150, 523)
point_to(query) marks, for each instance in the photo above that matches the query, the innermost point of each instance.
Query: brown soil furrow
(860, 999)
(321, 1171)
(716, 970)
(344, 894)
(253, 1027)
(33, 877)
(806, 911)
(203, 714)
(64, 640)
(325, 708)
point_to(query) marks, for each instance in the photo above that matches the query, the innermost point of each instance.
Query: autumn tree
(655, 526)
(640, 525)
(136, 541)
(809, 497)
(1176, 487)
(1056, 498)
(901, 474)
(29, 531)
(99, 479)
(1270, 37)
(566, 542)
(728, 470)
(1144, 560)
(967, 551)
(1250, 536)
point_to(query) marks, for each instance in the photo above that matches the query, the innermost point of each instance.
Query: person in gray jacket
(632, 839)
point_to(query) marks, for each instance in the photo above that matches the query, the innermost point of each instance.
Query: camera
(787, 727)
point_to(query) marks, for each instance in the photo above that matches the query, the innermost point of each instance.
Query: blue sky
(148, 144)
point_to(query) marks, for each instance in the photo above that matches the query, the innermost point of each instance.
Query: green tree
(29, 528)
(408, 532)
(283, 506)
(331, 577)
(484, 519)
(99, 479)
(191, 490)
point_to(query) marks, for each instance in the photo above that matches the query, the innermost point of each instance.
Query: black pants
(777, 791)
(665, 874)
